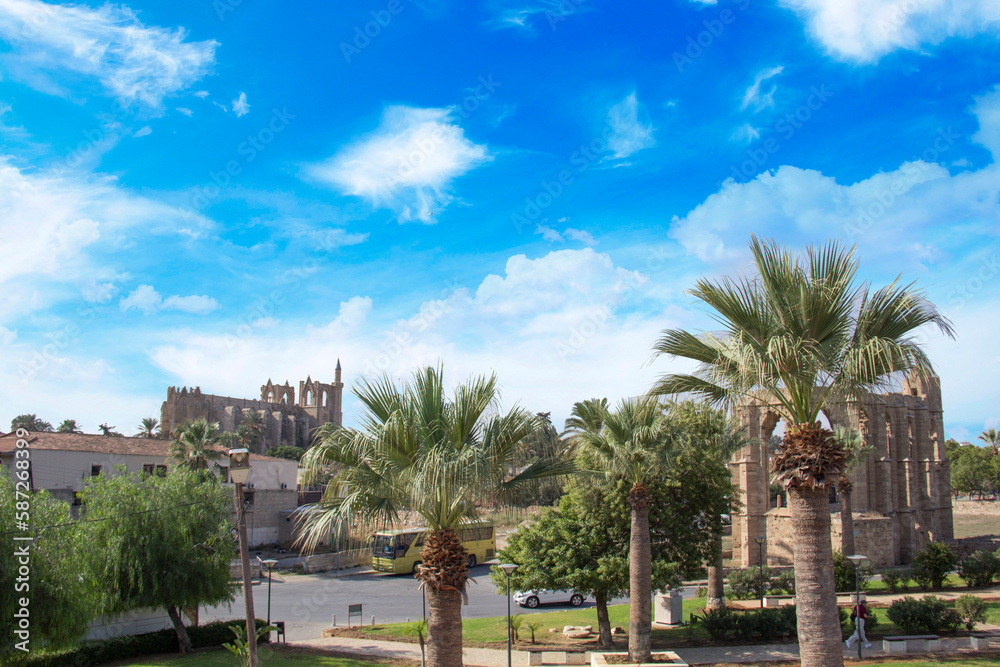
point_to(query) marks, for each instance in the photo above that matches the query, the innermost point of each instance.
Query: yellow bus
(398, 551)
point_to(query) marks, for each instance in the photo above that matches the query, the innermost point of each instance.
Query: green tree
(800, 333)
(30, 423)
(633, 444)
(544, 444)
(971, 471)
(58, 605)
(286, 452)
(196, 445)
(167, 544)
(149, 427)
(438, 457)
(69, 426)
(108, 430)
(992, 438)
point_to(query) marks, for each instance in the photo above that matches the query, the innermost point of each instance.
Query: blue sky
(218, 193)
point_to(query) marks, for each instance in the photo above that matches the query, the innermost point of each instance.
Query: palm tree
(857, 451)
(256, 427)
(632, 443)
(148, 428)
(799, 334)
(419, 450)
(195, 444)
(992, 438)
(69, 426)
(108, 430)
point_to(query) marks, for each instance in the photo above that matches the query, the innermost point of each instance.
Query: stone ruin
(902, 491)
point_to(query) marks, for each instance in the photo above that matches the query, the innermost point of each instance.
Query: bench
(574, 655)
(898, 644)
(981, 640)
(280, 630)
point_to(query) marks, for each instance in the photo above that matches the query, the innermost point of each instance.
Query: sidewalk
(708, 655)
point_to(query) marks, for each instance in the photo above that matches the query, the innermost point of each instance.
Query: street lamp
(239, 473)
(856, 559)
(269, 564)
(760, 564)
(508, 569)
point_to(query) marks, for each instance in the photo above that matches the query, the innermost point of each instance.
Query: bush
(745, 584)
(971, 609)
(979, 569)
(754, 625)
(927, 615)
(784, 583)
(896, 580)
(99, 652)
(843, 573)
(932, 565)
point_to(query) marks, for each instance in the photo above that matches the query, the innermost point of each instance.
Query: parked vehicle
(398, 551)
(532, 599)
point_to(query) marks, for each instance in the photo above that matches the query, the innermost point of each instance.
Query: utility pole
(241, 519)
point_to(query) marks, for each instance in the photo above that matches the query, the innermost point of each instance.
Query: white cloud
(201, 94)
(147, 130)
(331, 239)
(133, 62)
(754, 97)
(628, 133)
(54, 221)
(580, 235)
(187, 112)
(747, 133)
(408, 164)
(146, 299)
(549, 234)
(545, 325)
(7, 336)
(240, 106)
(865, 30)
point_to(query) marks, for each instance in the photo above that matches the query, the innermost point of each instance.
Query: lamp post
(239, 473)
(760, 564)
(856, 559)
(269, 564)
(508, 569)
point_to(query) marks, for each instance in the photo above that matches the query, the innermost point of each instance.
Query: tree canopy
(30, 423)
(166, 543)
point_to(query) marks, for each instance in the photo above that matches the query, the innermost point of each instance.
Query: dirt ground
(975, 518)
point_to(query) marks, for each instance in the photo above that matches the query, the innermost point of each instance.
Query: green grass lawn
(953, 581)
(491, 632)
(267, 658)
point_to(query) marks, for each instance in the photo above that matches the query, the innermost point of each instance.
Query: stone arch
(307, 395)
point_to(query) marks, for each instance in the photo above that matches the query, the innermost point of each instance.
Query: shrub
(745, 584)
(932, 565)
(979, 569)
(103, 651)
(754, 625)
(929, 614)
(971, 609)
(843, 573)
(784, 583)
(896, 580)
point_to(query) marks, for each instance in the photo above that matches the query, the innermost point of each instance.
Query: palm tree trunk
(847, 521)
(716, 587)
(443, 571)
(603, 620)
(816, 603)
(640, 615)
(182, 636)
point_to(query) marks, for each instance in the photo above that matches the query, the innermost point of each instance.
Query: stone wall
(337, 561)
(265, 518)
(873, 537)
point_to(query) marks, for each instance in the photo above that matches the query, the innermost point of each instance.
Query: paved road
(307, 603)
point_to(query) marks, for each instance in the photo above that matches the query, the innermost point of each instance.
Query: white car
(532, 599)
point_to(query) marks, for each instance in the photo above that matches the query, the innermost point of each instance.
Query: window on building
(148, 468)
(95, 470)
(161, 471)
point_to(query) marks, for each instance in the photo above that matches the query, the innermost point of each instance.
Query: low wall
(133, 623)
(336, 561)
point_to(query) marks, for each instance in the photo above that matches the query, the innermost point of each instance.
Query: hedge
(102, 651)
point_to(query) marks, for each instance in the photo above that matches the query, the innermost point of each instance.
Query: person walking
(859, 615)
